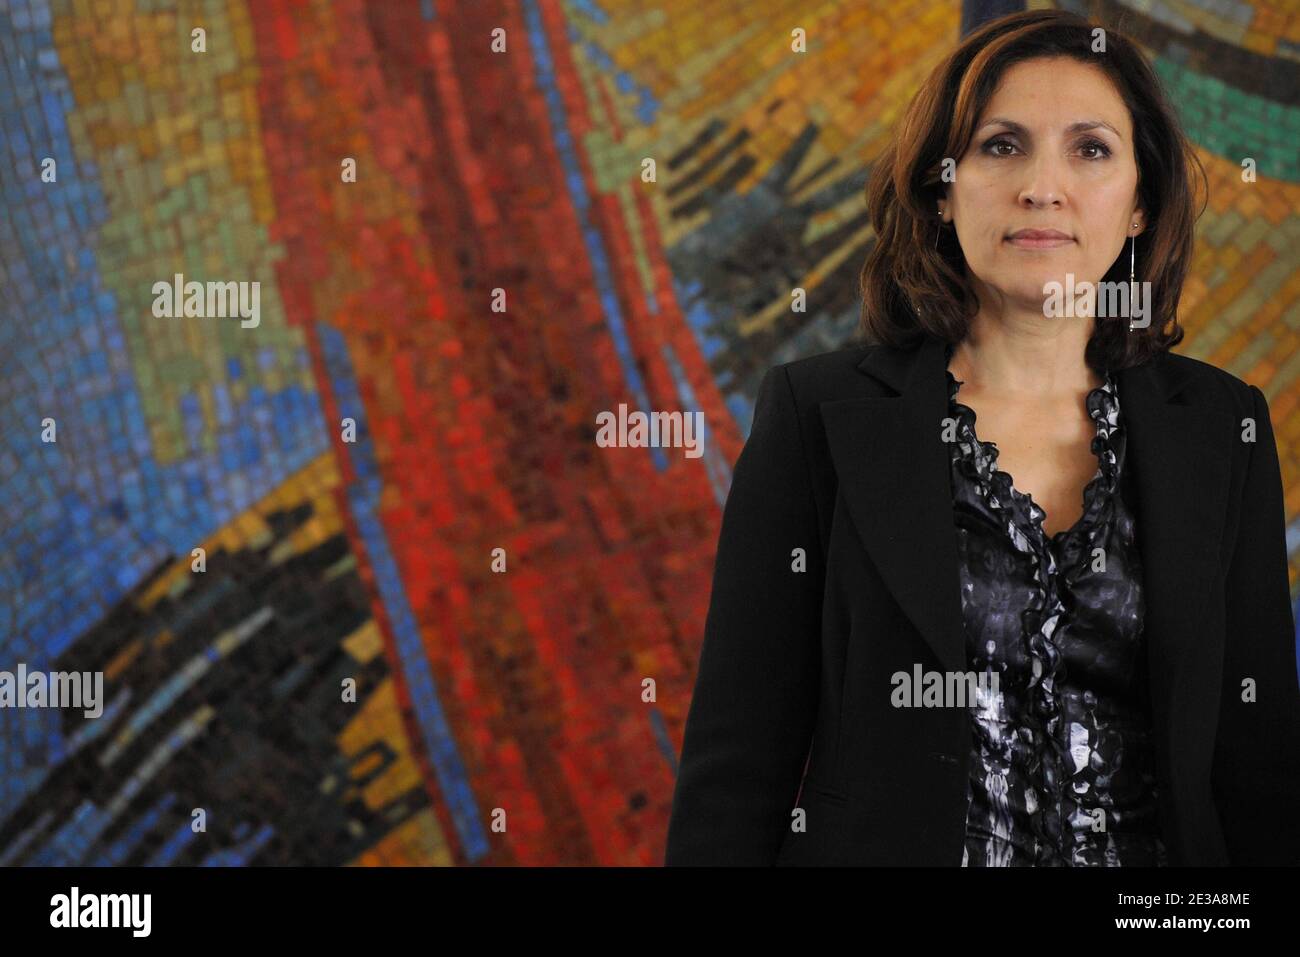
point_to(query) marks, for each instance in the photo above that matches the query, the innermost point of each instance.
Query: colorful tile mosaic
(457, 264)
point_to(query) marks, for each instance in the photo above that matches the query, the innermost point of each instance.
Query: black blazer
(845, 460)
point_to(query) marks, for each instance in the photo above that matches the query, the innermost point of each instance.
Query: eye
(995, 143)
(1103, 151)
(1095, 144)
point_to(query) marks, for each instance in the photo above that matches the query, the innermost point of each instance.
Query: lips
(1038, 234)
(1038, 238)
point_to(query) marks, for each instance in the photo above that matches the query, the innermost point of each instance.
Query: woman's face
(1053, 151)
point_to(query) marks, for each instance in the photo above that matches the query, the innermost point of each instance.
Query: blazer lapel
(892, 466)
(1180, 453)
(893, 472)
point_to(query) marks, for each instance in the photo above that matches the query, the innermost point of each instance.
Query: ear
(1140, 218)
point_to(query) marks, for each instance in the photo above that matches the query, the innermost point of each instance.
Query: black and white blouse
(1062, 769)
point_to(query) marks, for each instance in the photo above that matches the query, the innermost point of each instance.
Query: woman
(1005, 486)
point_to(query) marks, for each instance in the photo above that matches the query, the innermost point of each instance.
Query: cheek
(1110, 204)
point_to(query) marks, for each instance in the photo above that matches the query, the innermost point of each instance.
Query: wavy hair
(910, 288)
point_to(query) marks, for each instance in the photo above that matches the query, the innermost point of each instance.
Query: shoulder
(825, 376)
(1219, 387)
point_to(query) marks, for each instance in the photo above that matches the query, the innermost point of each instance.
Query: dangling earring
(1132, 278)
(938, 229)
(1132, 254)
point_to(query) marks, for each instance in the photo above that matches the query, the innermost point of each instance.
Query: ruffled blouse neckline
(1022, 519)
(987, 493)
(980, 461)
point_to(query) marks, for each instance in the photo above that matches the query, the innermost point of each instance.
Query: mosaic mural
(359, 580)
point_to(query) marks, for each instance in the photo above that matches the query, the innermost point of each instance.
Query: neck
(1028, 357)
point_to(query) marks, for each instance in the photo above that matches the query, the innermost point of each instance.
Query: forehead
(1048, 93)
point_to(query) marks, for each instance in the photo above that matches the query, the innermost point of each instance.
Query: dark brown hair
(909, 288)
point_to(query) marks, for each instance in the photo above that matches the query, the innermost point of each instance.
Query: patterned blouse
(1062, 769)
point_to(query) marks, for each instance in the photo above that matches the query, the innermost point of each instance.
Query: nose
(1044, 181)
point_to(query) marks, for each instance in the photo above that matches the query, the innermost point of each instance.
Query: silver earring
(1132, 256)
(938, 229)
(1132, 278)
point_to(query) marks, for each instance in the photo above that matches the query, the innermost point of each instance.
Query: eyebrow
(1077, 127)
